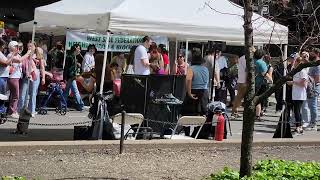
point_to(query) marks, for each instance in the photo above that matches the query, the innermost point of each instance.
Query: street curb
(134, 146)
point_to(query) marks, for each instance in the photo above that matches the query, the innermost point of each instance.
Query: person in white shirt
(241, 85)
(305, 107)
(209, 60)
(299, 93)
(141, 58)
(221, 61)
(88, 59)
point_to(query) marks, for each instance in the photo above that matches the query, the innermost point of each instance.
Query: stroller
(55, 88)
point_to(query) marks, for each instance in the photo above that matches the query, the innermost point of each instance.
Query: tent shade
(191, 19)
(50, 29)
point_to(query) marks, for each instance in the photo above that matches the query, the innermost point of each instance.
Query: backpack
(311, 88)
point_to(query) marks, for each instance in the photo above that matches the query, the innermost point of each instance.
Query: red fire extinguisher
(219, 131)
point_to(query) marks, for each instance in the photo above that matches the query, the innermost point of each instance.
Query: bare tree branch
(215, 10)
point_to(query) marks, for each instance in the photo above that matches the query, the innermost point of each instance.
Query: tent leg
(102, 81)
(285, 64)
(168, 66)
(33, 31)
(187, 54)
(176, 48)
(65, 54)
(202, 49)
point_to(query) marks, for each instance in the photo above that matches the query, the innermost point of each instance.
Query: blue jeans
(33, 92)
(313, 106)
(72, 84)
(305, 112)
(3, 90)
(3, 85)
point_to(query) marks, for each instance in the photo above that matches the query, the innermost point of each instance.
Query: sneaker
(298, 131)
(258, 119)
(34, 114)
(311, 127)
(278, 112)
(86, 108)
(14, 116)
(235, 115)
(305, 125)
(3, 97)
(262, 113)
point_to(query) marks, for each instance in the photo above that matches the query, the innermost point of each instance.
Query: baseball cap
(13, 44)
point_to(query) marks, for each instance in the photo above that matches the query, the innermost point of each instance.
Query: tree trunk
(249, 105)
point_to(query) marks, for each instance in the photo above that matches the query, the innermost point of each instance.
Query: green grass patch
(275, 170)
(13, 178)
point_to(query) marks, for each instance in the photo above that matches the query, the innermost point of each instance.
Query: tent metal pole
(65, 51)
(187, 54)
(202, 49)
(65, 55)
(33, 31)
(176, 53)
(168, 49)
(104, 63)
(102, 82)
(285, 64)
(187, 48)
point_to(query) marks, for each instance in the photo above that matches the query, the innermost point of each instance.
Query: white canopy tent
(203, 20)
(182, 19)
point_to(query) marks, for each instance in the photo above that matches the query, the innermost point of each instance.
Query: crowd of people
(22, 72)
(302, 90)
(15, 71)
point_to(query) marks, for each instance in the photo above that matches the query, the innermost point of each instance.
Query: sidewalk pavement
(263, 130)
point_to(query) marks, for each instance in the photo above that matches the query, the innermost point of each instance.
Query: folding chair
(130, 119)
(190, 121)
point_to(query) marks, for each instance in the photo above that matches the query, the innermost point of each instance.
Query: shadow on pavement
(265, 131)
(267, 126)
(38, 135)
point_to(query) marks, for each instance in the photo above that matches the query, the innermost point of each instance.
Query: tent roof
(49, 29)
(192, 19)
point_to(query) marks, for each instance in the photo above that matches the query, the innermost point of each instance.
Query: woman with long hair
(156, 62)
(33, 70)
(197, 97)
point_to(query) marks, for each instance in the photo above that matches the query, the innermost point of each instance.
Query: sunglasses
(180, 56)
